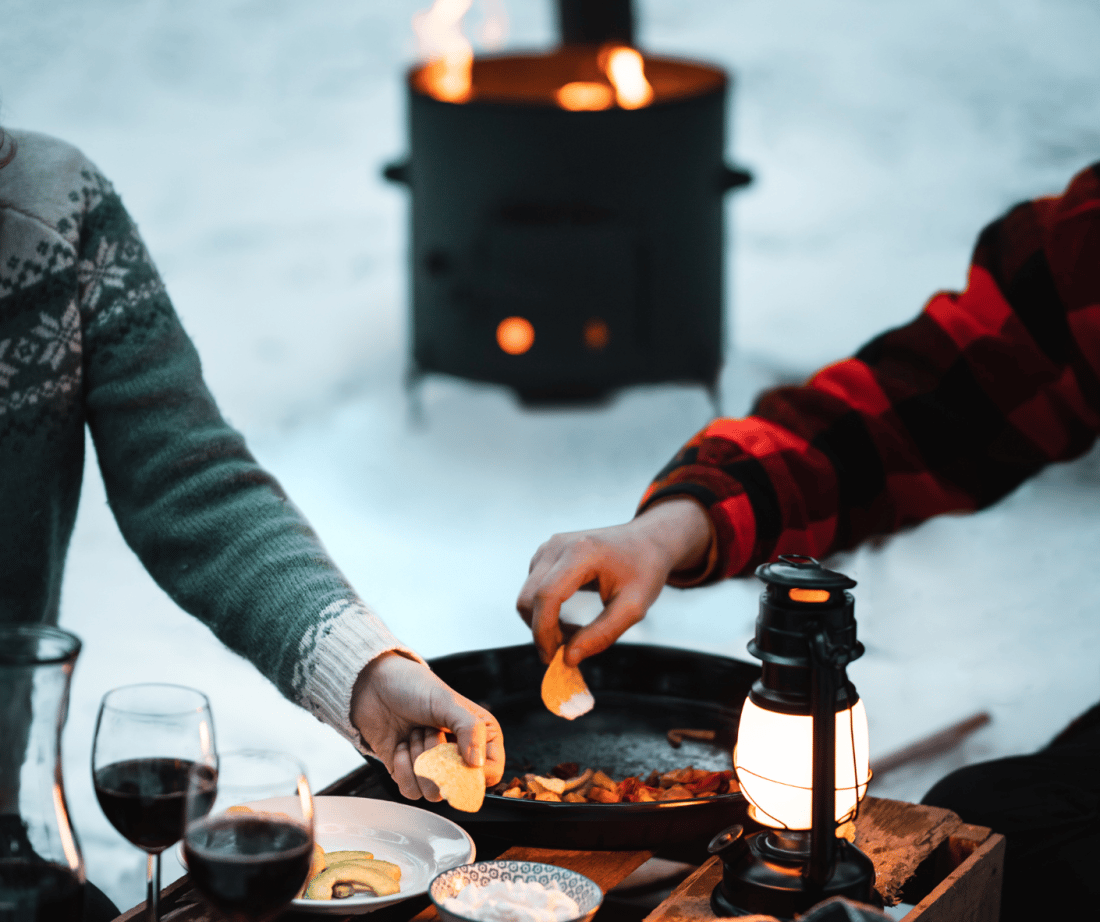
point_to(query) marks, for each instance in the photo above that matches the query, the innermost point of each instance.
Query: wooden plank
(971, 892)
(898, 837)
(690, 902)
(174, 898)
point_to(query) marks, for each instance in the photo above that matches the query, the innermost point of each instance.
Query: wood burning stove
(568, 252)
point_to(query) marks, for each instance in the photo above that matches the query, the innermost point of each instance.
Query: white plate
(421, 843)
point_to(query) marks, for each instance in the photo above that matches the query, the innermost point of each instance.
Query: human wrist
(681, 530)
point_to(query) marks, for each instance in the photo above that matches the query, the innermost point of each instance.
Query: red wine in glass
(249, 854)
(249, 867)
(143, 799)
(149, 739)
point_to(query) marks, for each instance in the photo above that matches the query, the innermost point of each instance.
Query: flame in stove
(582, 96)
(627, 86)
(625, 70)
(448, 74)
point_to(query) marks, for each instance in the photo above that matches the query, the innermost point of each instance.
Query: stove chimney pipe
(595, 22)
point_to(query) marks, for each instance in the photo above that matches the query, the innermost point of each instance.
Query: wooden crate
(960, 881)
(950, 871)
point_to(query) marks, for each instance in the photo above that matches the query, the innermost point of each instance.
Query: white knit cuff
(348, 636)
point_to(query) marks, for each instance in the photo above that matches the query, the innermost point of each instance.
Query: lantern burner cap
(801, 572)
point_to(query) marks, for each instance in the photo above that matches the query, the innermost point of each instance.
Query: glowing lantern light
(515, 335)
(624, 69)
(808, 595)
(448, 74)
(583, 96)
(774, 764)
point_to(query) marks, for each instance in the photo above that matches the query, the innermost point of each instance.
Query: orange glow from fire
(448, 74)
(596, 334)
(809, 595)
(515, 335)
(625, 70)
(627, 85)
(581, 96)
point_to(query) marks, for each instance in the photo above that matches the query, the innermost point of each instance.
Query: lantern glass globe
(773, 759)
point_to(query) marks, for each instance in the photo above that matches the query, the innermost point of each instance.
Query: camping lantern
(802, 752)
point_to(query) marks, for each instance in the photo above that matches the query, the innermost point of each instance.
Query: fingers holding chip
(461, 785)
(564, 691)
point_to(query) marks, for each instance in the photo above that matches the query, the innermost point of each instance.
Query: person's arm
(948, 413)
(217, 532)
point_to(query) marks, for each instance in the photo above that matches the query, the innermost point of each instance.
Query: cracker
(564, 691)
(461, 785)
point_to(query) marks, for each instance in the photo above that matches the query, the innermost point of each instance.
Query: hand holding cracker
(564, 691)
(461, 785)
(402, 709)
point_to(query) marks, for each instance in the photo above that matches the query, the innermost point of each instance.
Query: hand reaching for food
(629, 563)
(402, 708)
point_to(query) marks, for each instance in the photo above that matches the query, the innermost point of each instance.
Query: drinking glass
(249, 853)
(41, 868)
(147, 739)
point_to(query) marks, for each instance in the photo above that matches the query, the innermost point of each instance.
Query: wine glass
(147, 739)
(249, 853)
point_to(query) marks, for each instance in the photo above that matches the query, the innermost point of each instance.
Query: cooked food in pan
(567, 784)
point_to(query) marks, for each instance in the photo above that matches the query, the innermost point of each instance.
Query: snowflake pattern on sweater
(88, 337)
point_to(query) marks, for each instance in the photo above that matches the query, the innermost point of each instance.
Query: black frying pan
(641, 693)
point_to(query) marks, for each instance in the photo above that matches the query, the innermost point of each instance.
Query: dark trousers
(1047, 805)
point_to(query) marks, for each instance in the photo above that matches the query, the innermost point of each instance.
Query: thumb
(471, 735)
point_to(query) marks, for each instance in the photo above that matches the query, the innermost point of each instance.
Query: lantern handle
(823, 688)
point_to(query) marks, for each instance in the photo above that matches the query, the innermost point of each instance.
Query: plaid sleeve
(948, 413)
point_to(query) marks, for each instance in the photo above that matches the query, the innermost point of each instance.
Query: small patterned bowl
(586, 893)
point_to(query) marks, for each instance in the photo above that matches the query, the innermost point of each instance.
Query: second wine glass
(148, 737)
(248, 842)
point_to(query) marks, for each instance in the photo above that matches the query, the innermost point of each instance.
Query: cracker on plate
(564, 691)
(461, 785)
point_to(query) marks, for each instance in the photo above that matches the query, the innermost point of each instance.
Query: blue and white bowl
(584, 892)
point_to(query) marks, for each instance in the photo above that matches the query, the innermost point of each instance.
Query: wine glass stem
(152, 877)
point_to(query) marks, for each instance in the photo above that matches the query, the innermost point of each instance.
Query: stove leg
(715, 396)
(414, 404)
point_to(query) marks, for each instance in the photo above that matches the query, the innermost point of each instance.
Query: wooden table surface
(899, 838)
(180, 903)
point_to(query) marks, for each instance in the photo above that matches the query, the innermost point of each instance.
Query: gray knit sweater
(89, 336)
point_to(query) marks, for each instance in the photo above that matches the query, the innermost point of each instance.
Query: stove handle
(734, 177)
(397, 172)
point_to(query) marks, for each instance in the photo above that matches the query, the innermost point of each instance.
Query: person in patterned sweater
(948, 413)
(88, 337)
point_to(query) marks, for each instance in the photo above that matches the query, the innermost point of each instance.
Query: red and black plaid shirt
(948, 413)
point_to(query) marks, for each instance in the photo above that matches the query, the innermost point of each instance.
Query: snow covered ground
(247, 136)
